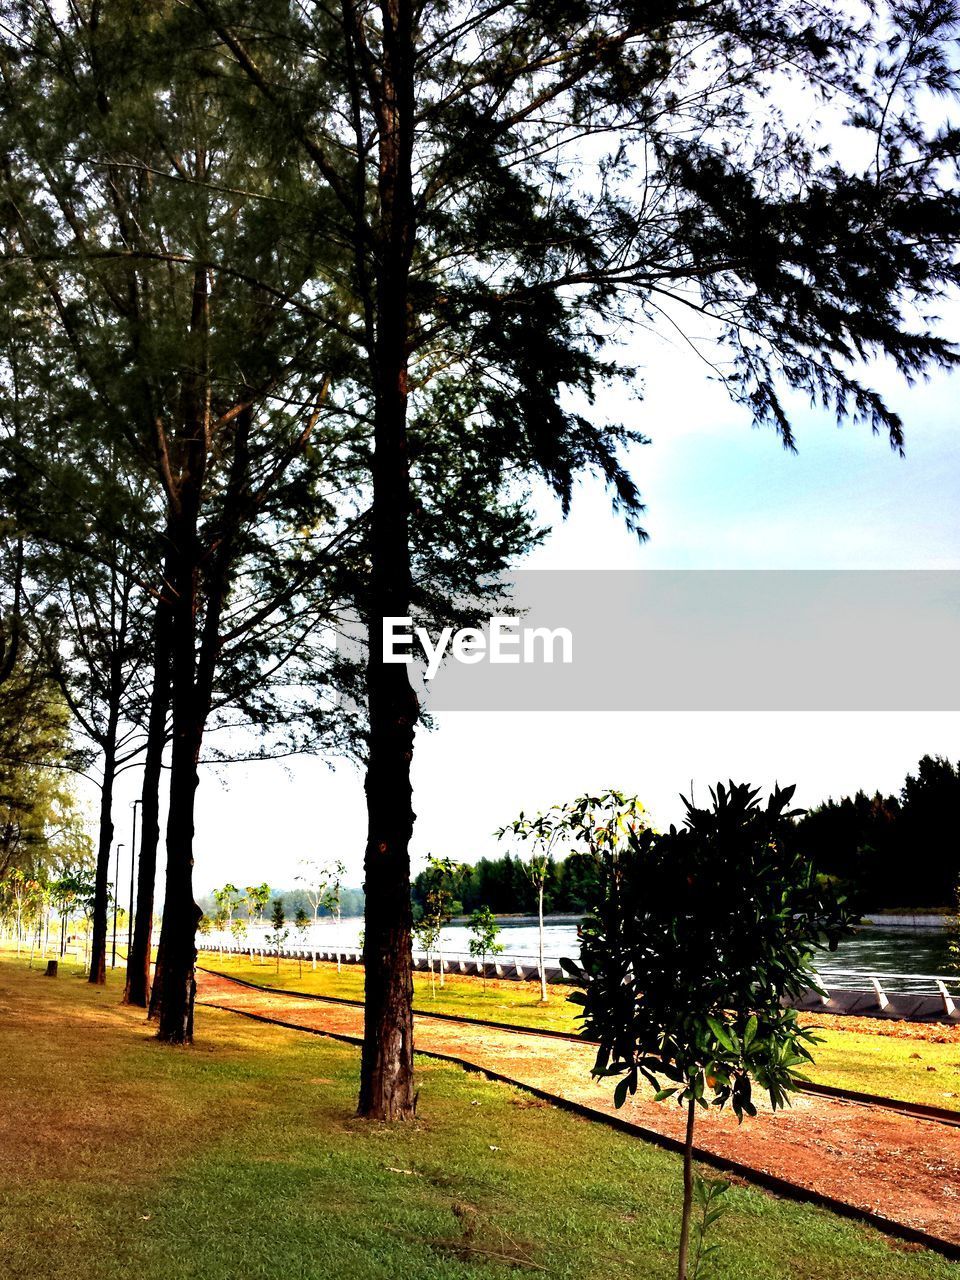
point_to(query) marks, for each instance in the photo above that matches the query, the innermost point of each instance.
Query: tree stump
(52, 966)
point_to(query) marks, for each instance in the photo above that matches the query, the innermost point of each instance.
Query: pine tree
(514, 184)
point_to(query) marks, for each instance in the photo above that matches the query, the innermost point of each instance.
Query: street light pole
(133, 855)
(116, 890)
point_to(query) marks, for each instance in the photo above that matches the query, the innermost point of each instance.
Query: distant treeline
(502, 884)
(897, 850)
(890, 851)
(351, 904)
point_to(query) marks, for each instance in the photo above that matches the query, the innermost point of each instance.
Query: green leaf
(721, 1033)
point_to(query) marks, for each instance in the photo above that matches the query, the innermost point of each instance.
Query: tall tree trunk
(137, 989)
(189, 672)
(180, 913)
(687, 1191)
(98, 949)
(543, 972)
(189, 711)
(386, 1069)
(193, 672)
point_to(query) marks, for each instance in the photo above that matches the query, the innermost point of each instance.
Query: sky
(720, 495)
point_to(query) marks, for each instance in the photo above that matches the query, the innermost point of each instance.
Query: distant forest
(502, 884)
(896, 850)
(889, 851)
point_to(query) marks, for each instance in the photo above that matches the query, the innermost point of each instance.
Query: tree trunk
(386, 1069)
(137, 989)
(192, 669)
(543, 973)
(156, 987)
(180, 913)
(98, 947)
(687, 1191)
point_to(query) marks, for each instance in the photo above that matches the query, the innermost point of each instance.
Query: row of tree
(297, 300)
(320, 890)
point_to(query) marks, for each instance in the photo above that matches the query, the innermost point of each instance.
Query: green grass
(910, 1070)
(241, 1158)
(903, 1068)
(502, 1001)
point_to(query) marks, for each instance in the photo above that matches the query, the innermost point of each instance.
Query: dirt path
(905, 1169)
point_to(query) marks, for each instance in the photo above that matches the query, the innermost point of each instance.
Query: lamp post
(116, 890)
(133, 855)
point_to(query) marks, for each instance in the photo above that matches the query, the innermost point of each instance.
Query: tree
(82, 532)
(544, 830)
(600, 822)
(221, 921)
(227, 899)
(93, 625)
(20, 891)
(503, 189)
(137, 987)
(301, 924)
(279, 935)
(697, 940)
(74, 538)
(314, 879)
(39, 817)
(333, 889)
(929, 803)
(73, 887)
(514, 182)
(441, 879)
(866, 840)
(484, 932)
(138, 202)
(323, 886)
(426, 933)
(257, 897)
(238, 931)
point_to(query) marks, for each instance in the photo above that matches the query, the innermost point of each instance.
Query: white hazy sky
(720, 496)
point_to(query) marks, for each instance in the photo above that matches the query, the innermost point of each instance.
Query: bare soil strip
(902, 1168)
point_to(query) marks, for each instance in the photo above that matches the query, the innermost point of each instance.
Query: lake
(882, 952)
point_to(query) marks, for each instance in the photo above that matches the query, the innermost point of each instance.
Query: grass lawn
(909, 1069)
(241, 1158)
(502, 1001)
